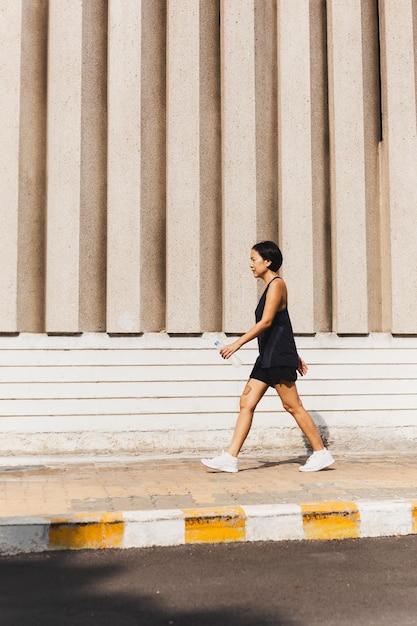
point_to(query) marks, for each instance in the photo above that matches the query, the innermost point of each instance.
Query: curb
(325, 520)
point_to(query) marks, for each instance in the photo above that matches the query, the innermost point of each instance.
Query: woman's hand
(231, 348)
(302, 368)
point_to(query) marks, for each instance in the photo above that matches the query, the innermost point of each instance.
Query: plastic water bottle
(232, 360)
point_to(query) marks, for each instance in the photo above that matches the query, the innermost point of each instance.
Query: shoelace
(310, 459)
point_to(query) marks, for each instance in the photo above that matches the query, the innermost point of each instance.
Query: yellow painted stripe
(82, 532)
(214, 525)
(414, 516)
(330, 520)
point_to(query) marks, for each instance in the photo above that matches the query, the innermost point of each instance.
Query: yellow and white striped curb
(140, 529)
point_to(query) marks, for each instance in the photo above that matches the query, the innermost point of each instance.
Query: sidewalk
(122, 503)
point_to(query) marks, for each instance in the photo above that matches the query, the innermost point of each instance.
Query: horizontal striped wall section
(156, 394)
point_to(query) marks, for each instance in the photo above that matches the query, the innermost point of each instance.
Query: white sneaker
(224, 463)
(317, 461)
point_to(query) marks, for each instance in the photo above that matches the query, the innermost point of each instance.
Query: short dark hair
(269, 251)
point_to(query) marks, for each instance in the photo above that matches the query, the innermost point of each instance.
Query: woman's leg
(227, 462)
(291, 402)
(249, 399)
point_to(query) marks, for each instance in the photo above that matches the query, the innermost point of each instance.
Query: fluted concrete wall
(147, 144)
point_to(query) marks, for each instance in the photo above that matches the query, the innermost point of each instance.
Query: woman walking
(276, 365)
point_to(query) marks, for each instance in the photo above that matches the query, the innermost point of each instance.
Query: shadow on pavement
(85, 588)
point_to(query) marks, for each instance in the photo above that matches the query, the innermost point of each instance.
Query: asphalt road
(350, 582)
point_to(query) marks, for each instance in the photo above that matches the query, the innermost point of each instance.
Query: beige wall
(147, 144)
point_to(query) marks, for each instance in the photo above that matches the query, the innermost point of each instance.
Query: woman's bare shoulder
(277, 293)
(278, 285)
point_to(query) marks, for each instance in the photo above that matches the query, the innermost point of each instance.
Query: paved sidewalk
(357, 496)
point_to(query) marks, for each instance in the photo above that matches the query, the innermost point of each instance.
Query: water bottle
(232, 360)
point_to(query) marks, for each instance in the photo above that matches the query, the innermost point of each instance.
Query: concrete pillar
(124, 167)
(347, 159)
(295, 159)
(400, 148)
(239, 162)
(183, 167)
(63, 165)
(10, 60)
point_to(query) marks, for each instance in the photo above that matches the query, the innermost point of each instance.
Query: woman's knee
(289, 397)
(246, 404)
(293, 407)
(248, 400)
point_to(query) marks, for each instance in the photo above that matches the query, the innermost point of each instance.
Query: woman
(276, 365)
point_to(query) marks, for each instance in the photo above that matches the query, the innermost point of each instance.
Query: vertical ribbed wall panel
(239, 162)
(295, 159)
(372, 140)
(93, 190)
(65, 73)
(10, 58)
(210, 168)
(153, 166)
(400, 133)
(32, 174)
(348, 193)
(148, 144)
(266, 120)
(320, 168)
(124, 167)
(183, 167)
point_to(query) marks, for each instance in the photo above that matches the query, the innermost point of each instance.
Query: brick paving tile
(134, 484)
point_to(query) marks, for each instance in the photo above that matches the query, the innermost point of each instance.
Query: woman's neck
(268, 276)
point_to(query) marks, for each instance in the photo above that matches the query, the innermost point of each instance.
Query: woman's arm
(276, 300)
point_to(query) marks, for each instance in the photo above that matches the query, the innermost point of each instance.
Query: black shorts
(274, 375)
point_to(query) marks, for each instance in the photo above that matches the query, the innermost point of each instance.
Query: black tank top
(276, 343)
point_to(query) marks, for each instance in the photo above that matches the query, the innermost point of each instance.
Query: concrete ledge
(325, 520)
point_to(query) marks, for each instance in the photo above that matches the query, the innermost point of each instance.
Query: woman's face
(258, 265)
